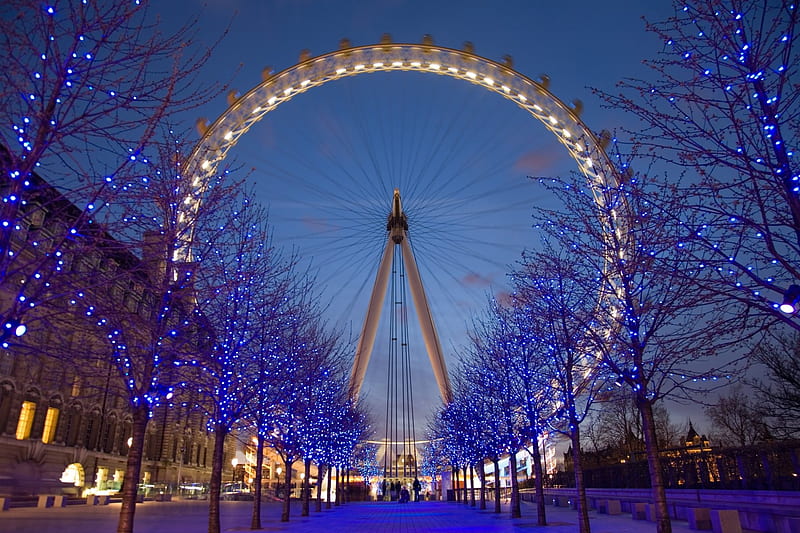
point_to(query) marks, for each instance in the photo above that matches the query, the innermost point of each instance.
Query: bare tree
(617, 427)
(722, 111)
(736, 419)
(779, 391)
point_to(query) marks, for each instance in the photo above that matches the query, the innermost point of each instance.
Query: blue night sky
(326, 162)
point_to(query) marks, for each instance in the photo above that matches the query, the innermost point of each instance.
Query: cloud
(318, 225)
(473, 279)
(539, 161)
(503, 298)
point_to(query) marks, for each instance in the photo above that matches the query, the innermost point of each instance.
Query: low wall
(759, 510)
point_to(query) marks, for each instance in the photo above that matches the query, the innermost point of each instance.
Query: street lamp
(790, 299)
(234, 464)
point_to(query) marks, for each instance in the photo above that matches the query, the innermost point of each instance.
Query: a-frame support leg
(429, 334)
(367, 339)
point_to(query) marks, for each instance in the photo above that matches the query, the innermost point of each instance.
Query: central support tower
(397, 235)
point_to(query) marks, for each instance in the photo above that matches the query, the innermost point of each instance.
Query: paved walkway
(384, 517)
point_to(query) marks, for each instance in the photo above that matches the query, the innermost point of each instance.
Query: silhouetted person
(417, 487)
(404, 495)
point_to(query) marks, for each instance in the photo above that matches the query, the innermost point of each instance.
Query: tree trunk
(320, 473)
(347, 485)
(255, 521)
(466, 490)
(663, 524)
(330, 482)
(338, 491)
(287, 493)
(496, 462)
(583, 510)
(516, 508)
(482, 476)
(538, 474)
(306, 488)
(133, 468)
(215, 483)
(472, 485)
(456, 488)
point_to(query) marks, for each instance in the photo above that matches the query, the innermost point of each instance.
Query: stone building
(64, 425)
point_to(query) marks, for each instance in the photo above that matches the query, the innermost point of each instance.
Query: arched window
(51, 420)
(92, 434)
(109, 431)
(123, 435)
(72, 424)
(27, 416)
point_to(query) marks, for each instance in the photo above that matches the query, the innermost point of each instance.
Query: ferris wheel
(327, 166)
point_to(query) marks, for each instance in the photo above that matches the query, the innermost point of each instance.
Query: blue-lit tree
(471, 428)
(330, 416)
(310, 363)
(365, 460)
(354, 430)
(489, 375)
(654, 327)
(722, 113)
(283, 297)
(559, 308)
(231, 290)
(84, 88)
(512, 345)
(140, 312)
(433, 459)
(448, 429)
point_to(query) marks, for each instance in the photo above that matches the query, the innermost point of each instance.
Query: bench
(610, 507)
(639, 511)
(726, 521)
(699, 518)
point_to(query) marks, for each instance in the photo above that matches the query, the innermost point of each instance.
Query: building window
(50, 422)
(76, 386)
(73, 426)
(25, 420)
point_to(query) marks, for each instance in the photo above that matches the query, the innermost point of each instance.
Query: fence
(770, 466)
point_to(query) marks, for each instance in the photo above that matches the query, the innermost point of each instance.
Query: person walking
(417, 486)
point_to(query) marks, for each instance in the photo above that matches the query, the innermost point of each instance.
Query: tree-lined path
(439, 517)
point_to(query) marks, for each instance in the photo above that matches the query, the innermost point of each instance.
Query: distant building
(696, 443)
